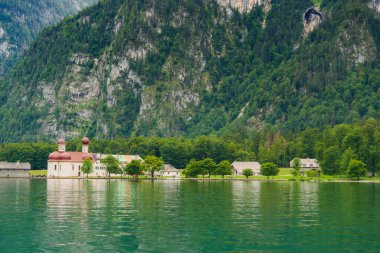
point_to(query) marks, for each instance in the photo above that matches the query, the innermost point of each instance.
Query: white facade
(64, 169)
(307, 164)
(238, 167)
(100, 169)
(69, 164)
(170, 171)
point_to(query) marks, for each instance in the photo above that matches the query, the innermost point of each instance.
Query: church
(68, 164)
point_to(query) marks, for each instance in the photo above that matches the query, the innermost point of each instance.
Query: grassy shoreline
(284, 175)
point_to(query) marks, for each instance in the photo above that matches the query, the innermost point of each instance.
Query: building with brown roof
(62, 163)
(170, 171)
(238, 167)
(17, 169)
(307, 164)
(68, 164)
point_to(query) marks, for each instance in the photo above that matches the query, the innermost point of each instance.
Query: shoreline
(209, 179)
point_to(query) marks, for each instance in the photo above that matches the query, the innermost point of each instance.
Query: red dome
(60, 156)
(65, 156)
(54, 156)
(85, 141)
(87, 156)
(61, 141)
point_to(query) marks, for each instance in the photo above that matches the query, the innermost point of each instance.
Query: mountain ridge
(167, 68)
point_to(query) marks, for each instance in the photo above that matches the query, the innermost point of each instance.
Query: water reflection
(187, 216)
(87, 213)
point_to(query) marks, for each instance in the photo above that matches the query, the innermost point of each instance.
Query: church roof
(69, 156)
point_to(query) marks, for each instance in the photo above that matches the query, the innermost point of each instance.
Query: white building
(307, 164)
(238, 167)
(8, 169)
(68, 164)
(170, 171)
(100, 169)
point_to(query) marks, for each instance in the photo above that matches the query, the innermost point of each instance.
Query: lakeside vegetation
(334, 147)
(284, 175)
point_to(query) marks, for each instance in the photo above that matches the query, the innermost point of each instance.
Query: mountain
(169, 68)
(21, 20)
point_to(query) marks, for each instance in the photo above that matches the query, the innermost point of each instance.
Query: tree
(356, 169)
(134, 168)
(175, 152)
(112, 165)
(374, 160)
(153, 164)
(88, 166)
(107, 151)
(247, 173)
(330, 161)
(296, 165)
(346, 158)
(269, 169)
(207, 165)
(193, 169)
(223, 168)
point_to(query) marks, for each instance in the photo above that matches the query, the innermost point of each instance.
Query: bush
(311, 173)
(247, 173)
(295, 173)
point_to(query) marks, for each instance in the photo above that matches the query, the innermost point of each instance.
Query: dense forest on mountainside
(188, 68)
(334, 147)
(20, 22)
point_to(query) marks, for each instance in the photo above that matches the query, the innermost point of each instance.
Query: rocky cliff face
(245, 5)
(20, 21)
(375, 4)
(312, 18)
(157, 68)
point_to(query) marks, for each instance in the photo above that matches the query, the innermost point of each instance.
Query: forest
(212, 70)
(334, 147)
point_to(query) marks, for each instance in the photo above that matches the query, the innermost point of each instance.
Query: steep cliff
(20, 21)
(168, 68)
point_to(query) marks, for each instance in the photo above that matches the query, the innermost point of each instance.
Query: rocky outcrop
(158, 69)
(357, 45)
(375, 4)
(311, 19)
(245, 5)
(22, 21)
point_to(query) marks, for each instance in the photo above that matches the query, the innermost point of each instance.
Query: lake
(71, 215)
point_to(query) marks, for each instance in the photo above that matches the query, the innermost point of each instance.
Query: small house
(170, 171)
(238, 167)
(17, 169)
(307, 164)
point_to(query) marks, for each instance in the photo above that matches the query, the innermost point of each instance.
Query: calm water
(182, 216)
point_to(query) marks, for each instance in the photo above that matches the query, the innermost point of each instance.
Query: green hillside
(21, 20)
(167, 68)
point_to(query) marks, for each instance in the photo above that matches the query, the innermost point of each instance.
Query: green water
(186, 216)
